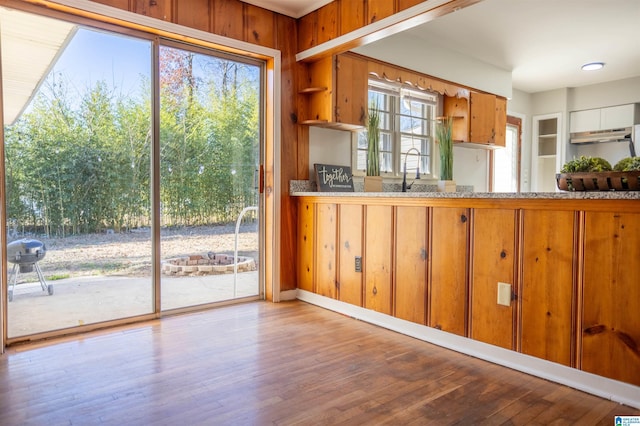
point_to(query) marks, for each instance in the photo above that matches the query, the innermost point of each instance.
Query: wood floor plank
(278, 364)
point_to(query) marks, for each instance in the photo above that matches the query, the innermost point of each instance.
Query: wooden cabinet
(449, 253)
(481, 119)
(336, 95)
(610, 320)
(377, 258)
(411, 257)
(493, 261)
(548, 287)
(350, 254)
(325, 250)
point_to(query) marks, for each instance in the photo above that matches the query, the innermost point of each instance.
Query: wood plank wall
(242, 21)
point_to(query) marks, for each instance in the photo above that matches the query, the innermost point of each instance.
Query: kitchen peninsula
(549, 275)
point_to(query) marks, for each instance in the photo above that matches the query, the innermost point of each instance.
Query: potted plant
(373, 180)
(444, 131)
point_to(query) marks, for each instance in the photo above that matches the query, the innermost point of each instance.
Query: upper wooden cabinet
(481, 119)
(336, 93)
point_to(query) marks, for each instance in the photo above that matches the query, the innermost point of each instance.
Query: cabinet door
(617, 116)
(610, 321)
(350, 248)
(411, 264)
(500, 126)
(584, 121)
(351, 90)
(483, 118)
(493, 262)
(305, 245)
(378, 249)
(547, 285)
(449, 254)
(325, 264)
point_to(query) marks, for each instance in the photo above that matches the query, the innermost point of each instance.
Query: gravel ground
(130, 253)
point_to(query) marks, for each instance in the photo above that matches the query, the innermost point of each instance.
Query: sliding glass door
(210, 113)
(93, 235)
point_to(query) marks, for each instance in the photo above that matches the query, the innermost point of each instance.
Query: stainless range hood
(622, 134)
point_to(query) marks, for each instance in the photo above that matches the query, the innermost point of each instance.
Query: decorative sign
(333, 178)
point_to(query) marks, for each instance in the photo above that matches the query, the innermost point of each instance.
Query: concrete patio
(87, 300)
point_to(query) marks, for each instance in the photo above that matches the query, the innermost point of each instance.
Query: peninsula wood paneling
(546, 298)
(306, 244)
(325, 249)
(350, 247)
(449, 253)
(411, 264)
(611, 294)
(493, 256)
(377, 258)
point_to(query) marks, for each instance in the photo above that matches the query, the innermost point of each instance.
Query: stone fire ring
(206, 264)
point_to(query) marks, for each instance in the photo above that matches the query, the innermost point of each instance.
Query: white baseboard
(288, 295)
(603, 387)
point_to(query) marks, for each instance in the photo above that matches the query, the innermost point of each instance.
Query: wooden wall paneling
(449, 258)
(325, 249)
(406, 4)
(306, 245)
(328, 22)
(120, 4)
(193, 14)
(259, 26)
(351, 15)
(160, 9)
(378, 259)
(308, 31)
(493, 260)
(411, 256)
(349, 247)
(611, 324)
(379, 9)
(547, 285)
(228, 18)
(294, 156)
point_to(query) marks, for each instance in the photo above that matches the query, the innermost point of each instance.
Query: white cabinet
(604, 118)
(547, 153)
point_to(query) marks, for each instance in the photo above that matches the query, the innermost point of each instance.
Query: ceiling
(542, 42)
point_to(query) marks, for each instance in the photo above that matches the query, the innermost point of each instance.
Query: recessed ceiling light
(592, 66)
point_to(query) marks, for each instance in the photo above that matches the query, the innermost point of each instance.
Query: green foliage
(586, 164)
(80, 164)
(444, 130)
(373, 141)
(629, 164)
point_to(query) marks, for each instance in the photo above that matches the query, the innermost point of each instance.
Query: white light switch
(504, 294)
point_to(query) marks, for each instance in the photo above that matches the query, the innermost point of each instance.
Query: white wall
(328, 146)
(471, 167)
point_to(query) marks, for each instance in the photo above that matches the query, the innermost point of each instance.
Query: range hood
(622, 134)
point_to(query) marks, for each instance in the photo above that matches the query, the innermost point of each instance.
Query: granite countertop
(302, 188)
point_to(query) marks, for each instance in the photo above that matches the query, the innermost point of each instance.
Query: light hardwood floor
(273, 364)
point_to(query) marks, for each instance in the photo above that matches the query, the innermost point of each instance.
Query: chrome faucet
(404, 175)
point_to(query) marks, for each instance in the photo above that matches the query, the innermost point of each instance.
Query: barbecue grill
(25, 254)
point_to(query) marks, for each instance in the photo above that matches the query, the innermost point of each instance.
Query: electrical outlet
(504, 294)
(358, 264)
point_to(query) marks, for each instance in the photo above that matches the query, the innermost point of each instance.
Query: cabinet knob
(423, 254)
(463, 218)
(374, 291)
(503, 254)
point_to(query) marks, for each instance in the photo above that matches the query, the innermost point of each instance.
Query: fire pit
(207, 264)
(25, 254)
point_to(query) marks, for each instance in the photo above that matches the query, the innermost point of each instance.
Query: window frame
(393, 132)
